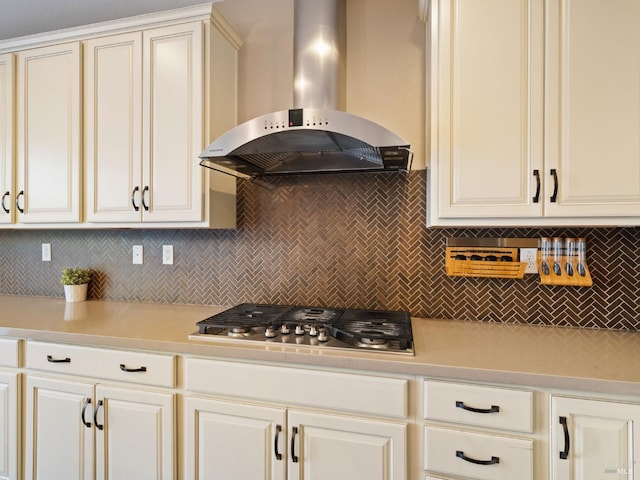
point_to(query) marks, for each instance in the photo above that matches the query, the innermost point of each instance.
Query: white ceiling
(27, 17)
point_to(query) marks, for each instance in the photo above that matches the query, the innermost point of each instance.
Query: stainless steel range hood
(314, 137)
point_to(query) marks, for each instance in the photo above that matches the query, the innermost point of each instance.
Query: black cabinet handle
(124, 368)
(144, 196)
(133, 198)
(493, 461)
(275, 443)
(95, 416)
(564, 454)
(50, 359)
(536, 197)
(493, 409)
(294, 432)
(87, 402)
(6, 194)
(20, 194)
(554, 195)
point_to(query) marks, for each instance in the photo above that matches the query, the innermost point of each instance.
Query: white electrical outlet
(167, 254)
(137, 254)
(46, 252)
(530, 256)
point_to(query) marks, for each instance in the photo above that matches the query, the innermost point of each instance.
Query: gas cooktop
(373, 330)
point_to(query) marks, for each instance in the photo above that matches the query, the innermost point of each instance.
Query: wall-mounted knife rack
(486, 257)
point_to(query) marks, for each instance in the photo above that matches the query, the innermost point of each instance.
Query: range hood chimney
(313, 137)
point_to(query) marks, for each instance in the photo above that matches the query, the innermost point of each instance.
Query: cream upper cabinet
(48, 134)
(113, 128)
(172, 123)
(592, 118)
(487, 107)
(591, 440)
(534, 117)
(148, 105)
(7, 207)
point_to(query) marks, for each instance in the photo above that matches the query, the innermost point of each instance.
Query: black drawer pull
(50, 359)
(87, 402)
(133, 198)
(95, 416)
(565, 453)
(554, 195)
(124, 368)
(20, 194)
(6, 194)
(493, 461)
(294, 433)
(536, 197)
(493, 409)
(275, 443)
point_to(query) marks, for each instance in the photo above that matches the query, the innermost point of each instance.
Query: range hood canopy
(314, 137)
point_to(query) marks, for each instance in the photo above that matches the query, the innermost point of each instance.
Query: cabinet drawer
(291, 386)
(502, 408)
(452, 451)
(118, 365)
(9, 352)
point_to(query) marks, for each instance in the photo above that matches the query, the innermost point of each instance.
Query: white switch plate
(530, 256)
(46, 252)
(167, 254)
(137, 254)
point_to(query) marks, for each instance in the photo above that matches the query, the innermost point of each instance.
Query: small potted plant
(75, 281)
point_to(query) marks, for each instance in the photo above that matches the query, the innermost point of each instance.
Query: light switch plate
(46, 252)
(167, 254)
(137, 255)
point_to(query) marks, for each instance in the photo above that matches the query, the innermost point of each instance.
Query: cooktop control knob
(299, 329)
(284, 329)
(322, 335)
(313, 331)
(270, 332)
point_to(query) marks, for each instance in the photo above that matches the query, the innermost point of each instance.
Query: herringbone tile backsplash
(356, 240)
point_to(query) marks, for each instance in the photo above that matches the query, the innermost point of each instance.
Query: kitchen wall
(356, 240)
(340, 240)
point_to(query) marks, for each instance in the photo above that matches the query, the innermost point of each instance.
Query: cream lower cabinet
(10, 409)
(76, 428)
(266, 431)
(478, 432)
(593, 439)
(333, 447)
(226, 439)
(535, 118)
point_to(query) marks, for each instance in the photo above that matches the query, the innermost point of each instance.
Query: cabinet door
(48, 134)
(601, 439)
(138, 435)
(57, 442)
(9, 422)
(113, 128)
(233, 440)
(6, 138)
(592, 119)
(173, 123)
(331, 447)
(488, 108)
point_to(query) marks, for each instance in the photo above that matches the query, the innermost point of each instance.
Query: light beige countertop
(548, 357)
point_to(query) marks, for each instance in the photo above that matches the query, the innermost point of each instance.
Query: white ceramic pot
(76, 293)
